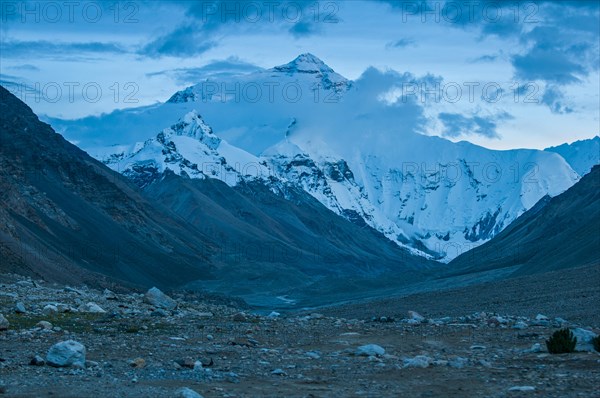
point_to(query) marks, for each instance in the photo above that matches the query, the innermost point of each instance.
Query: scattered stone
(186, 363)
(4, 324)
(66, 353)
(369, 350)
(478, 347)
(159, 312)
(244, 342)
(50, 309)
(584, 339)
(274, 314)
(37, 361)
(313, 355)
(458, 362)
(535, 348)
(209, 337)
(540, 317)
(415, 317)
(522, 388)
(109, 295)
(520, 325)
(278, 372)
(137, 363)
(185, 392)
(420, 361)
(44, 325)
(73, 290)
(240, 317)
(20, 308)
(92, 308)
(158, 299)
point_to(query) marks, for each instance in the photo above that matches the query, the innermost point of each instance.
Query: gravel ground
(573, 294)
(140, 349)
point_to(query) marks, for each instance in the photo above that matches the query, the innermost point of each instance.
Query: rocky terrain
(78, 342)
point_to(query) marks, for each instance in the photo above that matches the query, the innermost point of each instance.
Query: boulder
(92, 308)
(420, 361)
(369, 350)
(415, 316)
(20, 308)
(66, 353)
(4, 324)
(185, 392)
(157, 298)
(584, 339)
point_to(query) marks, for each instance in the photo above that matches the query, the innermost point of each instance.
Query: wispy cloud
(224, 67)
(456, 124)
(401, 43)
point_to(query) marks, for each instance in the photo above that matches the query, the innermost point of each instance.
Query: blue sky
(518, 74)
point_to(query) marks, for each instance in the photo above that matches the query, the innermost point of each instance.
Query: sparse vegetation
(562, 341)
(596, 343)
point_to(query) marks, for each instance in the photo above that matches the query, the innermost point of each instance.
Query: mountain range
(341, 143)
(67, 217)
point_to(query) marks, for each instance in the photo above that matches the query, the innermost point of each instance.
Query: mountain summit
(305, 63)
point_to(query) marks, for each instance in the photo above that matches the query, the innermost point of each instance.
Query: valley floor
(135, 349)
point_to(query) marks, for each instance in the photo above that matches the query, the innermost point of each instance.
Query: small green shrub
(562, 341)
(596, 343)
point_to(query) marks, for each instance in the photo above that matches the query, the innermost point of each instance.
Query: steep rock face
(557, 233)
(66, 217)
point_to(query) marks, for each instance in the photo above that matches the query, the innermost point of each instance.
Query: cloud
(547, 64)
(485, 58)
(185, 41)
(26, 67)
(43, 48)
(554, 98)
(215, 68)
(401, 43)
(456, 124)
(303, 29)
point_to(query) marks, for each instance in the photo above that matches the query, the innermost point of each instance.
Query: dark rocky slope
(557, 233)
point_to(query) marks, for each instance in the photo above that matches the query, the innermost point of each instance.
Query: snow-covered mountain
(189, 148)
(581, 155)
(353, 146)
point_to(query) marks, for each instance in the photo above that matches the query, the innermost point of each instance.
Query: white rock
(157, 298)
(44, 325)
(279, 372)
(66, 353)
(274, 314)
(369, 350)
(420, 361)
(92, 308)
(584, 339)
(458, 362)
(50, 309)
(415, 316)
(522, 388)
(540, 317)
(20, 308)
(4, 324)
(520, 325)
(536, 347)
(185, 392)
